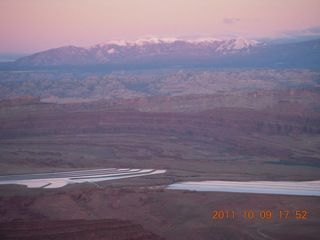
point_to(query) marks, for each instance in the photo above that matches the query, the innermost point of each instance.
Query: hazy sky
(36, 25)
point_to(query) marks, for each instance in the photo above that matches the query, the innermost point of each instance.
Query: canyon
(198, 124)
(251, 135)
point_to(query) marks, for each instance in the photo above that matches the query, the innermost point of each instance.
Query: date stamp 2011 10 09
(262, 214)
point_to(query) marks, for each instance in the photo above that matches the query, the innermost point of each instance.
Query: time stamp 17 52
(260, 214)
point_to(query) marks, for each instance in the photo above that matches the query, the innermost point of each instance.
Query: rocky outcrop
(245, 131)
(187, 87)
(47, 119)
(308, 98)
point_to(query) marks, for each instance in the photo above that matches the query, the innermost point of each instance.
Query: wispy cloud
(294, 36)
(304, 32)
(230, 20)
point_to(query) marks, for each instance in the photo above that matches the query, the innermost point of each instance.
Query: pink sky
(37, 25)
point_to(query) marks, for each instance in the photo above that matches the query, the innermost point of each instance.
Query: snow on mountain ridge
(224, 44)
(203, 40)
(176, 52)
(140, 41)
(237, 44)
(154, 40)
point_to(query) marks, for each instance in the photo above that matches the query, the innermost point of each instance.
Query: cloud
(315, 30)
(292, 36)
(304, 32)
(230, 20)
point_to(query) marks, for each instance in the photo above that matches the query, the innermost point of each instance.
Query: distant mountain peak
(155, 40)
(140, 41)
(175, 51)
(203, 40)
(223, 44)
(245, 42)
(237, 44)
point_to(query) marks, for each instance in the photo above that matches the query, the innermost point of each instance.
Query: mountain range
(166, 52)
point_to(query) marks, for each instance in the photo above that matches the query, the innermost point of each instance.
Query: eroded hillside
(280, 127)
(66, 87)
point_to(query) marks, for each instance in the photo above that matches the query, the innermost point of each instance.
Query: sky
(36, 25)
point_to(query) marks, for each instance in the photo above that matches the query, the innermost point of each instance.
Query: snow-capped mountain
(170, 45)
(237, 44)
(173, 51)
(146, 48)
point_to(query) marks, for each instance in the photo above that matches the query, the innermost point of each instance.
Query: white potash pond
(307, 188)
(60, 179)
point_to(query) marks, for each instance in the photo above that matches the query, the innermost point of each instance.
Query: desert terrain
(237, 135)
(160, 120)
